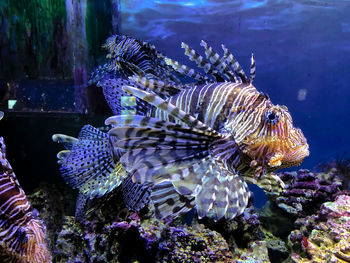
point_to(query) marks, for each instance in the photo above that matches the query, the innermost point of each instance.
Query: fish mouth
(297, 155)
(276, 153)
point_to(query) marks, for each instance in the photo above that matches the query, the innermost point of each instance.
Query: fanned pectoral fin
(168, 202)
(89, 165)
(135, 196)
(156, 165)
(269, 182)
(217, 192)
(214, 191)
(177, 160)
(67, 141)
(222, 194)
(158, 150)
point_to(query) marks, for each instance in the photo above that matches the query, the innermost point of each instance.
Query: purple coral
(306, 191)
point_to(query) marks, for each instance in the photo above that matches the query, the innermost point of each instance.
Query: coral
(277, 248)
(147, 240)
(329, 234)
(342, 165)
(257, 253)
(76, 244)
(240, 231)
(306, 191)
(304, 194)
(275, 220)
(193, 244)
(108, 234)
(112, 234)
(339, 166)
(52, 202)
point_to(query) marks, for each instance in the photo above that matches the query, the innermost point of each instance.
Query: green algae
(32, 30)
(35, 40)
(98, 27)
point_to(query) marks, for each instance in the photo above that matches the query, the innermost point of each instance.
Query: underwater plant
(340, 166)
(191, 144)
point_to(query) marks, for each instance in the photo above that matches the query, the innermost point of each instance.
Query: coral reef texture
(306, 191)
(313, 207)
(143, 241)
(329, 240)
(196, 244)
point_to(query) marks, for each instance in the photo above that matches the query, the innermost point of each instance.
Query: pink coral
(329, 241)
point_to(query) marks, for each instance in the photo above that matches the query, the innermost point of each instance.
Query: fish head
(31, 243)
(275, 143)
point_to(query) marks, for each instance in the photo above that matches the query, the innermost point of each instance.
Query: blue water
(302, 52)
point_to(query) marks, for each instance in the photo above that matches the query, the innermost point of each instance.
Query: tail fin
(91, 165)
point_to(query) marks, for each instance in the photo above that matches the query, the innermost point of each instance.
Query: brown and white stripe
(22, 235)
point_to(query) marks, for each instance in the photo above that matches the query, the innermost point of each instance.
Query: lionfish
(22, 235)
(181, 144)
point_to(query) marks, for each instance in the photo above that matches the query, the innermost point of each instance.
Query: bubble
(302, 94)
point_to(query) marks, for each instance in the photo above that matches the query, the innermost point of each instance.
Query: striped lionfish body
(198, 144)
(257, 130)
(22, 235)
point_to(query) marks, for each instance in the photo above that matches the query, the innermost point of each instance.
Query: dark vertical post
(116, 21)
(76, 13)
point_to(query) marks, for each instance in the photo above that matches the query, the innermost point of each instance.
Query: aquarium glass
(54, 63)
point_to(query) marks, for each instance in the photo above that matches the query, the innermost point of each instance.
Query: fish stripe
(168, 202)
(196, 138)
(22, 235)
(185, 70)
(219, 63)
(232, 61)
(252, 70)
(199, 60)
(170, 109)
(135, 196)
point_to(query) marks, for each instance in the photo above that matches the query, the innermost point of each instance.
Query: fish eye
(271, 116)
(22, 235)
